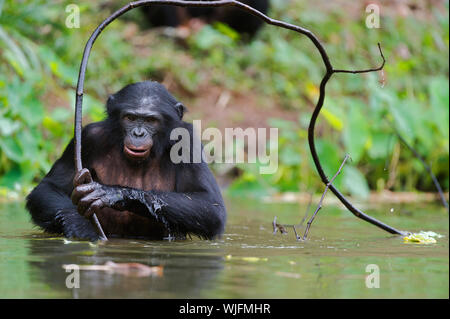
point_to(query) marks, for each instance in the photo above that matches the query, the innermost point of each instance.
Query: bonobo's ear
(180, 109)
(110, 104)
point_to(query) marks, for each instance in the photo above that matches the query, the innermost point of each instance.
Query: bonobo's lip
(137, 152)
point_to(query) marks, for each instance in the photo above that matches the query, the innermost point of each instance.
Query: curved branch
(306, 32)
(355, 211)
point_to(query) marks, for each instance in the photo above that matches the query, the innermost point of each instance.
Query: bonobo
(130, 182)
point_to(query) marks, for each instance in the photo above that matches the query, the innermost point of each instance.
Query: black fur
(194, 205)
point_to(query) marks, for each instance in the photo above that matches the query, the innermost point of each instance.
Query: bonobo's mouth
(137, 152)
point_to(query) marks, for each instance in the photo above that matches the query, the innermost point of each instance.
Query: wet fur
(150, 176)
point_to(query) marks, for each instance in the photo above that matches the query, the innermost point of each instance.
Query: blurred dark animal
(238, 19)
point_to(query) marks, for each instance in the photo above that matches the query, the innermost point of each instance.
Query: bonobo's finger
(94, 208)
(87, 200)
(82, 177)
(81, 191)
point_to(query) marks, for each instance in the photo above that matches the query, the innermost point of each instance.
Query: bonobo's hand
(90, 196)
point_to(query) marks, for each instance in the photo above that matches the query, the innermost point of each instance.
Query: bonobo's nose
(138, 132)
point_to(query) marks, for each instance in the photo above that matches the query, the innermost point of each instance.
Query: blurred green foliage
(40, 56)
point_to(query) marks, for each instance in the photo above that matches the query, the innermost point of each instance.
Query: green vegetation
(40, 56)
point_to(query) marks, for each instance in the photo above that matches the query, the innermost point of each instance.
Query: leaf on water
(424, 237)
(432, 234)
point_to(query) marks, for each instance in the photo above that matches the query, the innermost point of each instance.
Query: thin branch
(295, 232)
(366, 70)
(274, 224)
(319, 206)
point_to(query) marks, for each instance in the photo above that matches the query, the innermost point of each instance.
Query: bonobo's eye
(130, 117)
(151, 120)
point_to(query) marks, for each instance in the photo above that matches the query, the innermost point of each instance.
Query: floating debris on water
(423, 237)
(288, 274)
(126, 269)
(432, 234)
(248, 259)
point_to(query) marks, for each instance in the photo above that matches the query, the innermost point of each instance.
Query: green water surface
(331, 264)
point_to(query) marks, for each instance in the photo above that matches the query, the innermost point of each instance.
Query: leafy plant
(40, 56)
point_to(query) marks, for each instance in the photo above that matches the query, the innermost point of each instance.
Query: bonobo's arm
(195, 207)
(50, 205)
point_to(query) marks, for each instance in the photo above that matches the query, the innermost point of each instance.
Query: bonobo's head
(146, 112)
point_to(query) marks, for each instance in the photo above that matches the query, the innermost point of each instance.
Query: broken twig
(319, 206)
(277, 227)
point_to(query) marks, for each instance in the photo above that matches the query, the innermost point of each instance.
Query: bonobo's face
(139, 127)
(146, 112)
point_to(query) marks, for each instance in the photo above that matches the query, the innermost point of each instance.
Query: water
(331, 264)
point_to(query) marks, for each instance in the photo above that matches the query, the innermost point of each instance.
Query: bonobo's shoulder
(93, 130)
(94, 133)
(91, 135)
